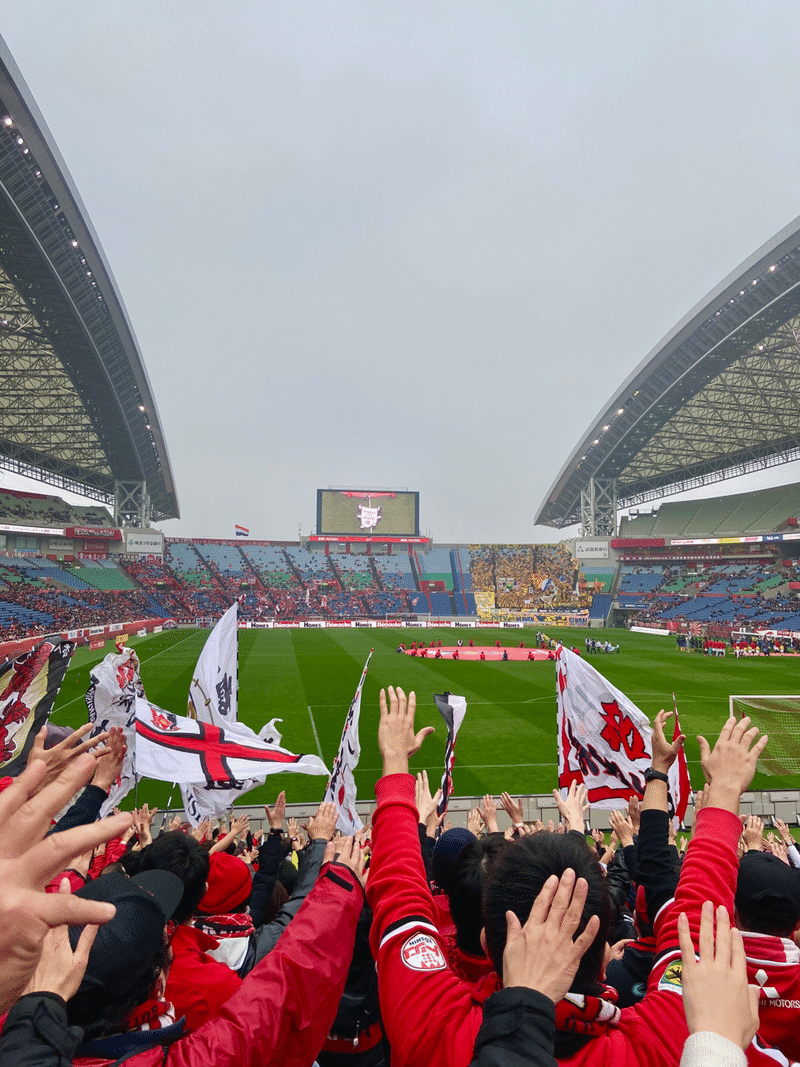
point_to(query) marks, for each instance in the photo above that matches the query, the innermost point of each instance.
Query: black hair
(776, 916)
(186, 859)
(100, 1015)
(465, 882)
(517, 879)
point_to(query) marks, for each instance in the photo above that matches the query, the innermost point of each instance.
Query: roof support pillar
(132, 504)
(599, 508)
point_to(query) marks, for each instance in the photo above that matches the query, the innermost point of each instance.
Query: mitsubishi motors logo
(761, 977)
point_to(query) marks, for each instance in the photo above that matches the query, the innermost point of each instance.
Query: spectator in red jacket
(431, 1017)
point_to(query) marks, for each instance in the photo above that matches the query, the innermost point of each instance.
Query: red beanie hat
(228, 884)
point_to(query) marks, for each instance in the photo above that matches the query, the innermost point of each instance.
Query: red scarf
(587, 1015)
(152, 1015)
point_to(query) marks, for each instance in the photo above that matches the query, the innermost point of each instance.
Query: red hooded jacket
(432, 1018)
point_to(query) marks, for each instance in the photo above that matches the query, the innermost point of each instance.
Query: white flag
(341, 788)
(604, 740)
(173, 748)
(214, 698)
(452, 709)
(113, 688)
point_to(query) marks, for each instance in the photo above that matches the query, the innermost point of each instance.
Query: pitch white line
(316, 735)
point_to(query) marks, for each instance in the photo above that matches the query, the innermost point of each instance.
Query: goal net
(778, 716)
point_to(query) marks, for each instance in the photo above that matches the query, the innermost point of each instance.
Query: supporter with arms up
(279, 1017)
(432, 1018)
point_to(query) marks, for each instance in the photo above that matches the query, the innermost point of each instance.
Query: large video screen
(359, 511)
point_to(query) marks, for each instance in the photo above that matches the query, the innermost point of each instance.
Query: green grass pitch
(508, 738)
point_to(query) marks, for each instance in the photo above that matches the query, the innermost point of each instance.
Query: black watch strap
(659, 776)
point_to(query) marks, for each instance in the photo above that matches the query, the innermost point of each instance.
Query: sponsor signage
(103, 533)
(343, 539)
(754, 540)
(356, 624)
(96, 630)
(139, 541)
(314, 625)
(591, 549)
(58, 544)
(649, 630)
(462, 625)
(30, 529)
(97, 642)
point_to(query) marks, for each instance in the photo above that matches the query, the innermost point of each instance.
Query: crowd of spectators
(67, 611)
(528, 576)
(41, 509)
(409, 942)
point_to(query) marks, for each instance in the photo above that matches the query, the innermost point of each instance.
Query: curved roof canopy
(719, 396)
(76, 406)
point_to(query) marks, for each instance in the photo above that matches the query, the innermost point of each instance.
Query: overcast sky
(387, 243)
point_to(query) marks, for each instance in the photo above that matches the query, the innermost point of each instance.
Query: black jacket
(518, 1030)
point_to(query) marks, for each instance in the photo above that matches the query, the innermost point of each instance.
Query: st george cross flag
(452, 709)
(604, 740)
(341, 788)
(29, 686)
(114, 684)
(172, 748)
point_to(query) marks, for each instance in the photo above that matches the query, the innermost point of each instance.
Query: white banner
(58, 545)
(173, 748)
(341, 788)
(604, 740)
(356, 624)
(151, 543)
(649, 630)
(591, 549)
(114, 686)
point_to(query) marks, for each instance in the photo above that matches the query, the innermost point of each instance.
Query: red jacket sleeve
(284, 1009)
(430, 1016)
(115, 850)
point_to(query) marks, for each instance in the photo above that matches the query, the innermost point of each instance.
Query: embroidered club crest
(422, 953)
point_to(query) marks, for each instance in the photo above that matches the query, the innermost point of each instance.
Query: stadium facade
(718, 397)
(76, 407)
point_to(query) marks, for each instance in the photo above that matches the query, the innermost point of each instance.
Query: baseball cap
(125, 947)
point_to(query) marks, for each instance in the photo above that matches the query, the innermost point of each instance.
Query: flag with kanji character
(452, 709)
(341, 788)
(173, 748)
(114, 684)
(29, 686)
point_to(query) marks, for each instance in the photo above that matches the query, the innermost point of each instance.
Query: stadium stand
(42, 509)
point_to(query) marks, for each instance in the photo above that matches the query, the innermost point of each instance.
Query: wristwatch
(659, 776)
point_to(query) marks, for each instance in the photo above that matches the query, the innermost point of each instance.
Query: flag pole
(169, 805)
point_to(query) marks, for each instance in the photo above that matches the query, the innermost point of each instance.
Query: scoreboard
(366, 513)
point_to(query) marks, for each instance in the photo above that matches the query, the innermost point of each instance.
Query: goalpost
(778, 716)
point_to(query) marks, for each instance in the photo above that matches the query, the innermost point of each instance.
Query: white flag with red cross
(341, 788)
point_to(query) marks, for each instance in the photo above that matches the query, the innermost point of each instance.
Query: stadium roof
(76, 406)
(718, 397)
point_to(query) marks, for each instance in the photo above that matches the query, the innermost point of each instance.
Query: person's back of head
(184, 857)
(767, 895)
(465, 885)
(517, 878)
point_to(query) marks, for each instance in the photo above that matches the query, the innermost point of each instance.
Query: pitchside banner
(452, 709)
(341, 788)
(604, 740)
(29, 686)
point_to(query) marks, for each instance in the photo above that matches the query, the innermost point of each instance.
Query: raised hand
(753, 834)
(57, 758)
(664, 752)
(275, 815)
(323, 825)
(426, 804)
(574, 806)
(397, 740)
(729, 767)
(635, 813)
(488, 814)
(352, 856)
(541, 954)
(175, 823)
(110, 759)
(716, 996)
(475, 822)
(513, 808)
(29, 860)
(622, 827)
(784, 831)
(202, 830)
